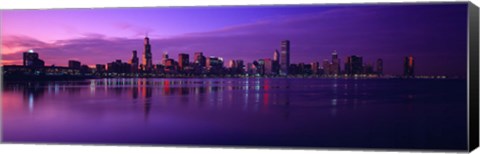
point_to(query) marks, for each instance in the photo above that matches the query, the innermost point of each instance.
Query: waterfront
(354, 113)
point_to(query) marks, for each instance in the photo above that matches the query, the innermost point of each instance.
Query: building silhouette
(183, 61)
(335, 66)
(74, 64)
(118, 67)
(147, 55)
(379, 67)
(276, 62)
(214, 64)
(268, 66)
(368, 68)
(354, 65)
(326, 67)
(201, 66)
(31, 59)
(199, 59)
(100, 68)
(240, 66)
(164, 58)
(134, 62)
(408, 66)
(315, 68)
(285, 57)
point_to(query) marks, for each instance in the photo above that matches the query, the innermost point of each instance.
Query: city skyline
(201, 66)
(239, 38)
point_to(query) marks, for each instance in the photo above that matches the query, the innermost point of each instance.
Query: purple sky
(435, 34)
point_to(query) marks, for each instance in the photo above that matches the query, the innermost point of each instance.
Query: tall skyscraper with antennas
(147, 55)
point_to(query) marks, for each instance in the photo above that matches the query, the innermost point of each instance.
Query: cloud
(137, 30)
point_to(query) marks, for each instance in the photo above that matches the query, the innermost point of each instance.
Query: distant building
(260, 65)
(285, 57)
(293, 69)
(368, 68)
(170, 65)
(354, 65)
(232, 64)
(159, 68)
(300, 68)
(134, 62)
(276, 62)
(240, 67)
(251, 68)
(100, 68)
(326, 67)
(315, 68)
(379, 67)
(147, 55)
(268, 66)
(199, 59)
(164, 58)
(335, 66)
(85, 70)
(408, 66)
(118, 67)
(214, 64)
(276, 55)
(31, 59)
(74, 64)
(183, 61)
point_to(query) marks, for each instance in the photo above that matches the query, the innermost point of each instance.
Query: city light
(278, 65)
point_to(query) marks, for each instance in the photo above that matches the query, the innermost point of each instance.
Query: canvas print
(383, 76)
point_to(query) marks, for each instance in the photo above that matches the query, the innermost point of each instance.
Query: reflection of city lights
(30, 102)
(56, 88)
(92, 87)
(334, 102)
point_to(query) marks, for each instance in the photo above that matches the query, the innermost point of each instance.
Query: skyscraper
(74, 64)
(335, 70)
(183, 60)
(284, 57)
(379, 68)
(275, 62)
(232, 64)
(268, 66)
(315, 66)
(199, 59)
(276, 55)
(147, 55)
(354, 65)
(31, 59)
(100, 68)
(408, 66)
(240, 66)
(214, 64)
(326, 67)
(134, 62)
(164, 58)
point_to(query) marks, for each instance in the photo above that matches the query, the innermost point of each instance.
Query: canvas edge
(473, 72)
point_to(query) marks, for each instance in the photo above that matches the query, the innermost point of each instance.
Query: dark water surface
(362, 113)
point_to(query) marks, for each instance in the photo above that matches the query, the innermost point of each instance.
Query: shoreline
(30, 78)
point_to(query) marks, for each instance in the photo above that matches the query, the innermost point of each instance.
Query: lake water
(327, 113)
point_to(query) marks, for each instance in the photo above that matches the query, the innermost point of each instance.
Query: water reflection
(248, 95)
(177, 110)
